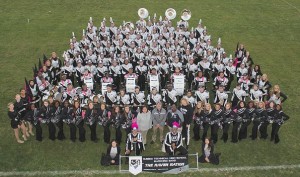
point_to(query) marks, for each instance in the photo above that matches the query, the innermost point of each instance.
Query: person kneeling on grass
(134, 142)
(208, 155)
(113, 153)
(173, 141)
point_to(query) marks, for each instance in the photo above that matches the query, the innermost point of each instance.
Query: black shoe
(187, 147)
(152, 142)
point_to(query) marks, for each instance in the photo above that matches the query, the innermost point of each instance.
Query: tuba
(186, 14)
(170, 13)
(143, 13)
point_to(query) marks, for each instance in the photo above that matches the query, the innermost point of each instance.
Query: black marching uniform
(104, 120)
(216, 118)
(197, 125)
(242, 115)
(187, 112)
(79, 123)
(68, 117)
(279, 119)
(260, 116)
(117, 121)
(58, 121)
(91, 116)
(205, 118)
(228, 117)
(46, 114)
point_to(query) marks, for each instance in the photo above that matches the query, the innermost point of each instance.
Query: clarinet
(78, 117)
(103, 120)
(91, 119)
(56, 118)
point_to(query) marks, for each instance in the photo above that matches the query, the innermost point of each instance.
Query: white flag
(135, 164)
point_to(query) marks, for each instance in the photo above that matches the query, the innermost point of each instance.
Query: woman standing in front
(205, 118)
(15, 123)
(208, 155)
(90, 119)
(228, 116)
(241, 114)
(117, 120)
(197, 120)
(144, 122)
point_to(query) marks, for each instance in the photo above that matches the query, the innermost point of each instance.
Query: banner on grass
(135, 164)
(165, 164)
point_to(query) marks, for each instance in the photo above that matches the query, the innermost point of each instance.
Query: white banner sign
(135, 164)
(179, 84)
(154, 82)
(89, 83)
(130, 85)
(104, 88)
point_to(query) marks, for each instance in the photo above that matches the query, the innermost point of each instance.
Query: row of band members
(203, 116)
(170, 95)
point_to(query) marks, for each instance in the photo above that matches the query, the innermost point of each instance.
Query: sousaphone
(143, 13)
(186, 14)
(170, 13)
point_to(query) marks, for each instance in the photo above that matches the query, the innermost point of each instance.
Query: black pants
(106, 134)
(164, 79)
(274, 133)
(38, 132)
(128, 130)
(118, 134)
(254, 130)
(205, 129)
(52, 131)
(226, 127)
(235, 128)
(141, 82)
(93, 132)
(243, 130)
(72, 132)
(81, 130)
(181, 150)
(263, 130)
(214, 132)
(60, 134)
(196, 131)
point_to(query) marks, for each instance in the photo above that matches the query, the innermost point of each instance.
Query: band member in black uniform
(271, 110)
(46, 113)
(205, 118)
(68, 117)
(187, 112)
(105, 121)
(110, 97)
(90, 117)
(241, 115)
(15, 123)
(57, 119)
(260, 115)
(32, 117)
(20, 106)
(279, 119)
(141, 70)
(25, 100)
(117, 121)
(128, 117)
(197, 120)
(215, 120)
(229, 115)
(247, 120)
(134, 142)
(173, 141)
(79, 120)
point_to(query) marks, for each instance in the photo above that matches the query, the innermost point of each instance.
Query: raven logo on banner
(135, 164)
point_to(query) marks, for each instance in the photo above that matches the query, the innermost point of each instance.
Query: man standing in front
(158, 119)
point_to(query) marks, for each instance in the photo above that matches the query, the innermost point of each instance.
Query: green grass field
(270, 30)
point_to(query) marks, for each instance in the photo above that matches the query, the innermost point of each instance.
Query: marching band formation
(148, 75)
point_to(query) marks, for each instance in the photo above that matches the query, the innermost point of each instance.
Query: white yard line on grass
(291, 5)
(98, 172)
